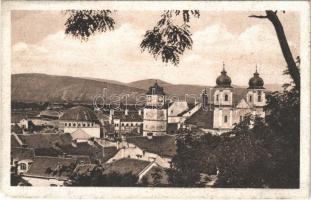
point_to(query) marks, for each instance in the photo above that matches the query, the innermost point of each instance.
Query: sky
(39, 45)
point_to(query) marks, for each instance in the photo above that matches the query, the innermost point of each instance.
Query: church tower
(155, 112)
(223, 98)
(256, 94)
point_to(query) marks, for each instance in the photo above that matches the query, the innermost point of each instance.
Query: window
(88, 124)
(69, 124)
(226, 119)
(122, 124)
(153, 90)
(83, 125)
(241, 118)
(172, 111)
(79, 124)
(226, 97)
(65, 124)
(74, 124)
(259, 97)
(250, 98)
(217, 98)
(23, 166)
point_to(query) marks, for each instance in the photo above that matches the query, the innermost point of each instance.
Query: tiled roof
(126, 165)
(17, 117)
(161, 145)
(14, 142)
(93, 151)
(41, 164)
(202, 119)
(79, 113)
(132, 116)
(80, 134)
(50, 151)
(21, 153)
(16, 129)
(45, 140)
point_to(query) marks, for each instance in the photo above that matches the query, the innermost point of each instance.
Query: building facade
(224, 106)
(155, 114)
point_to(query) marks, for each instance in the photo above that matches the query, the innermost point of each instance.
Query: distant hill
(41, 87)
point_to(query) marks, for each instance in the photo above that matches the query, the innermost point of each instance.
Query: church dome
(155, 90)
(223, 80)
(256, 82)
(79, 113)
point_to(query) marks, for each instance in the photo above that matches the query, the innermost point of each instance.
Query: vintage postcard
(130, 99)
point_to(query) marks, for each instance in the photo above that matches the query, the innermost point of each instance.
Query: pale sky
(39, 45)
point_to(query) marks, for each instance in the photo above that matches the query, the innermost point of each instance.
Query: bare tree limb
(258, 16)
(293, 69)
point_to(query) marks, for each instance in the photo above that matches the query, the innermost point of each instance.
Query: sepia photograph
(155, 96)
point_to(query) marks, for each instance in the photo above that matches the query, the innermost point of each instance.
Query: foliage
(156, 176)
(97, 178)
(186, 165)
(167, 39)
(82, 24)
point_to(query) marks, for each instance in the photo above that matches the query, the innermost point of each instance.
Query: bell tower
(155, 112)
(223, 101)
(256, 96)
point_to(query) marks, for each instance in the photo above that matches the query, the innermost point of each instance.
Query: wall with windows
(256, 97)
(91, 128)
(223, 97)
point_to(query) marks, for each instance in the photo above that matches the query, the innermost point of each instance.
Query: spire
(223, 66)
(256, 72)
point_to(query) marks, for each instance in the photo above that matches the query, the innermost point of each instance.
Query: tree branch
(258, 16)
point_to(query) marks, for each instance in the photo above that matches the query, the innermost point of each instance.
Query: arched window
(226, 97)
(23, 166)
(74, 124)
(126, 124)
(83, 125)
(65, 124)
(88, 124)
(79, 124)
(225, 119)
(250, 98)
(69, 124)
(217, 97)
(122, 124)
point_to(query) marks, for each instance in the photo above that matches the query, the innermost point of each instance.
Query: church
(224, 106)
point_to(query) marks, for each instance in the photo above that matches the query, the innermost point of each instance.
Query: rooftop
(41, 164)
(161, 145)
(79, 113)
(126, 165)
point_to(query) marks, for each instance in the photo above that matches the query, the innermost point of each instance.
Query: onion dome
(79, 113)
(223, 81)
(256, 81)
(155, 90)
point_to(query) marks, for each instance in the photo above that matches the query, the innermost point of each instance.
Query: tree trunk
(291, 65)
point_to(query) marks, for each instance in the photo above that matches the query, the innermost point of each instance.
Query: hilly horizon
(36, 87)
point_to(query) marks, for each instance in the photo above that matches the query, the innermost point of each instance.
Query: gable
(243, 104)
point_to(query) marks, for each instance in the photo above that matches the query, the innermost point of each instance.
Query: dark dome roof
(256, 82)
(223, 80)
(79, 113)
(156, 89)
